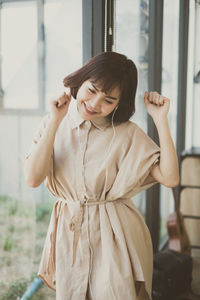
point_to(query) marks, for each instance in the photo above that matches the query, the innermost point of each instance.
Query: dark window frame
(154, 84)
(155, 68)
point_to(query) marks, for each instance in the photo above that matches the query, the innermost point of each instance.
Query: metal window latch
(197, 78)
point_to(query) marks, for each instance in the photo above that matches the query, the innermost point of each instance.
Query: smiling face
(93, 103)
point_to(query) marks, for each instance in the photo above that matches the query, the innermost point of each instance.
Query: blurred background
(41, 41)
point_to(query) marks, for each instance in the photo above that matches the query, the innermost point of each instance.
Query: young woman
(94, 160)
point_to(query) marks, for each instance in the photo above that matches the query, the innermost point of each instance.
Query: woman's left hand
(156, 105)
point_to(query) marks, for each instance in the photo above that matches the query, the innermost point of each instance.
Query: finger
(166, 100)
(151, 95)
(64, 99)
(59, 103)
(54, 102)
(68, 98)
(146, 96)
(161, 100)
(156, 98)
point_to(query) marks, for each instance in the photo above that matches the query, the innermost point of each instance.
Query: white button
(87, 123)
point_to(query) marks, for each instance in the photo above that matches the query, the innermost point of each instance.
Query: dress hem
(46, 282)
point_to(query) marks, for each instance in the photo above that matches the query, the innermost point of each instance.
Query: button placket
(77, 220)
(83, 141)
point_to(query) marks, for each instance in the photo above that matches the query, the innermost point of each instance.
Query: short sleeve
(149, 156)
(147, 180)
(38, 134)
(141, 154)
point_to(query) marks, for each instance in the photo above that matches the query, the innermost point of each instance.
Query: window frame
(154, 83)
(93, 18)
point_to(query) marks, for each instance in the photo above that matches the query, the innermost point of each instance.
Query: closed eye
(109, 102)
(92, 91)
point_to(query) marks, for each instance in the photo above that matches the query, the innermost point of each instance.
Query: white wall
(16, 133)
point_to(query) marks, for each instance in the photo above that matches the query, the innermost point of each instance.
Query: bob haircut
(109, 70)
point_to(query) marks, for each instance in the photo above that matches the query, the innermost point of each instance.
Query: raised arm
(166, 171)
(37, 164)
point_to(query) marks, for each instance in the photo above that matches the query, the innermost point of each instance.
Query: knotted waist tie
(77, 221)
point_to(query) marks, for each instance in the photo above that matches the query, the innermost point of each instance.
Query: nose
(95, 102)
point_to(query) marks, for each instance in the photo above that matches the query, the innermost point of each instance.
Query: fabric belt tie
(77, 221)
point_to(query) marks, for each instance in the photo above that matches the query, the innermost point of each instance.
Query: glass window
(196, 82)
(25, 212)
(19, 54)
(131, 39)
(63, 33)
(169, 89)
(191, 72)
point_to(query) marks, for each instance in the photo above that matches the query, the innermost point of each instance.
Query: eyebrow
(113, 98)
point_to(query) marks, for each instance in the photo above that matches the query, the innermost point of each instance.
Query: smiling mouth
(89, 111)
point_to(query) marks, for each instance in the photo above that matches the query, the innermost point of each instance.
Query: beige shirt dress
(98, 246)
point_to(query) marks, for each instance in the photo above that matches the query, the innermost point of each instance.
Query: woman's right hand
(59, 107)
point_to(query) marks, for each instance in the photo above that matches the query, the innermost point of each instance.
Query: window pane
(169, 89)
(19, 54)
(63, 32)
(196, 86)
(191, 72)
(131, 39)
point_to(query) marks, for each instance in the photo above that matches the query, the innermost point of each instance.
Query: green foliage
(8, 244)
(38, 296)
(11, 228)
(13, 208)
(41, 234)
(16, 289)
(10, 203)
(17, 218)
(4, 199)
(33, 276)
(8, 261)
(43, 211)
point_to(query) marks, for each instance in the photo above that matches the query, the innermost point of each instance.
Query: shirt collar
(76, 120)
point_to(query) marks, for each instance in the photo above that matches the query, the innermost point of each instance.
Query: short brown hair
(108, 70)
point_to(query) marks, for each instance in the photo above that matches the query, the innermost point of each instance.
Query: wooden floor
(194, 294)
